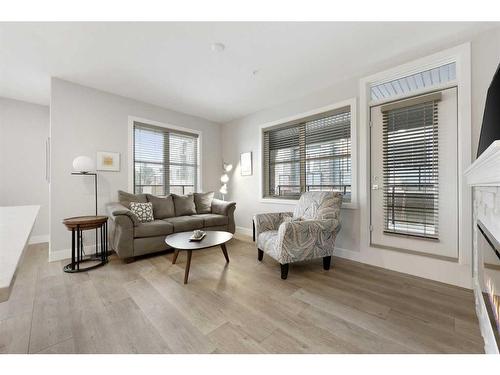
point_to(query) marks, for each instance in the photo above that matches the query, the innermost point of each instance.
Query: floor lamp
(224, 179)
(82, 165)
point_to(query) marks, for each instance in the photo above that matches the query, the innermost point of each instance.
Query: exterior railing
(158, 189)
(283, 189)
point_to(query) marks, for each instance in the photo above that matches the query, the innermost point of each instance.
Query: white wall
(243, 135)
(24, 128)
(84, 121)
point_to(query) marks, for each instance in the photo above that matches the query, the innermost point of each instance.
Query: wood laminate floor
(244, 307)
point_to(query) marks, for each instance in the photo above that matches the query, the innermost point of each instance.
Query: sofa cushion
(143, 211)
(203, 202)
(184, 205)
(125, 198)
(162, 207)
(212, 220)
(185, 223)
(153, 228)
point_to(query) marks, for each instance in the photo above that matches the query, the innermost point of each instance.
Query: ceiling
(172, 64)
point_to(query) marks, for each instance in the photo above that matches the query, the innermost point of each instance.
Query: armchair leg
(284, 271)
(260, 254)
(326, 263)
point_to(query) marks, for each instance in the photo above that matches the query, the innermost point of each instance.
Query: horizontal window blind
(165, 160)
(328, 154)
(410, 169)
(309, 155)
(284, 162)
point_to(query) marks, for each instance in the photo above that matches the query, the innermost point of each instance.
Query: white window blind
(308, 155)
(410, 157)
(165, 160)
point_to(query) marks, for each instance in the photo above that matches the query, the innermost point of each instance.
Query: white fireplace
(484, 176)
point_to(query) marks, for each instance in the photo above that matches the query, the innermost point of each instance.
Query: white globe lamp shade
(228, 167)
(224, 178)
(83, 164)
(223, 189)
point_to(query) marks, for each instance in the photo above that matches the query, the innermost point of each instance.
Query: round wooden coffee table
(180, 241)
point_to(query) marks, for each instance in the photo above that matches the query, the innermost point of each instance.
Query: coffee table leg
(188, 264)
(176, 254)
(224, 251)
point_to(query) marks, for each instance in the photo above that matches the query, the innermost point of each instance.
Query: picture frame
(246, 167)
(108, 161)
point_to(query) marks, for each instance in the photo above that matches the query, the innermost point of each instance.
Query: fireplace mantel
(485, 171)
(484, 176)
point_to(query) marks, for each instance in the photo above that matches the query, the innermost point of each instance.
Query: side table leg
(188, 264)
(224, 251)
(78, 239)
(101, 254)
(106, 241)
(73, 248)
(176, 254)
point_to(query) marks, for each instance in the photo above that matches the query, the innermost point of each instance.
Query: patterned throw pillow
(143, 211)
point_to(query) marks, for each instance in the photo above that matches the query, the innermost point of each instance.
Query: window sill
(293, 202)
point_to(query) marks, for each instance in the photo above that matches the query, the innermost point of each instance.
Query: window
(165, 160)
(410, 166)
(407, 85)
(310, 154)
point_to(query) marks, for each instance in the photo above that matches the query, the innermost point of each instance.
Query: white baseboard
(458, 279)
(39, 239)
(57, 255)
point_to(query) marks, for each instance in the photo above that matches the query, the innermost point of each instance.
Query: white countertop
(16, 223)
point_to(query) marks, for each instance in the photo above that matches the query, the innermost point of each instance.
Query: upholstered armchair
(307, 233)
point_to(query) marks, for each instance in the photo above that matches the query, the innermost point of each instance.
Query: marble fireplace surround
(484, 177)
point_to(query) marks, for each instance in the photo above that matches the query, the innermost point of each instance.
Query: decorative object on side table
(108, 161)
(181, 242)
(79, 224)
(246, 163)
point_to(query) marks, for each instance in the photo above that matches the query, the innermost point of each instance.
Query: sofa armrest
(122, 226)
(306, 239)
(269, 221)
(116, 209)
(221, 207)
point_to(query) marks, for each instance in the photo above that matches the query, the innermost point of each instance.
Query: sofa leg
(326, 263)
(260, 254)
(284, 271)
(129, 260)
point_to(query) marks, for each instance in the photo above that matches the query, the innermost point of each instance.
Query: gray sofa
(172, 214)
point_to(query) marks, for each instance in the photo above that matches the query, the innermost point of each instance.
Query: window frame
(130, 166)
(352, 104)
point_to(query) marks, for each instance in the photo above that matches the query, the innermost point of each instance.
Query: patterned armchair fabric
(307, 234)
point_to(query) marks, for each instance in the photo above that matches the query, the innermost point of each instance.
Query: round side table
(82, 223)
